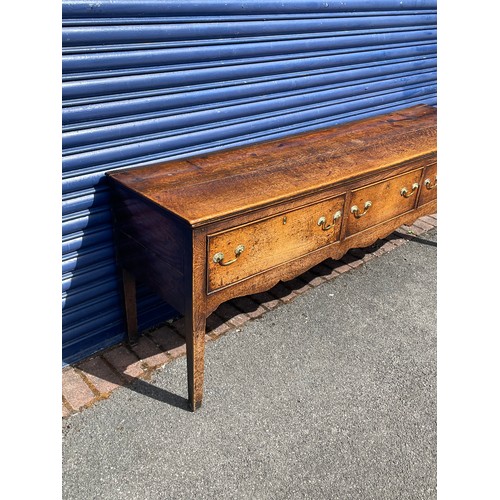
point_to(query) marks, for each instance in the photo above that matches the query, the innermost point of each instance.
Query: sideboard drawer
(382, 201)
(241, 252)
(429, 185)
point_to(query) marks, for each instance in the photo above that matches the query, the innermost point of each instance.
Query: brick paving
(266, 300)
(297, 285)
(312, 279)
(282, 293)
(103, 378)
(324, 271)
(249, 306)
(96, 377)
(76, 391)
(216, 326)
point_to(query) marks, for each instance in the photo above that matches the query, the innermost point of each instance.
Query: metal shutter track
(151, 80)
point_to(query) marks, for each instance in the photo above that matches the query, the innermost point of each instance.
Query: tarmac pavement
(332, 396)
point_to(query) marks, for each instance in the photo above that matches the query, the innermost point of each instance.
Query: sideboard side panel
(154, 245)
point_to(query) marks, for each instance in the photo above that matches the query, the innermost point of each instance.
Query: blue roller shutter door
(150, 80)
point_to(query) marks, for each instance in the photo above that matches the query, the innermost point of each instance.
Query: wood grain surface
(429, 189)
(273, 241)
(207, 188)
(386, 201)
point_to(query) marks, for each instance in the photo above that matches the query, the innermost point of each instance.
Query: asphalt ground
(332, 396)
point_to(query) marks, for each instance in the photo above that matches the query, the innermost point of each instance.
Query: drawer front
(428, 191)
(241, 252)
(382, 201)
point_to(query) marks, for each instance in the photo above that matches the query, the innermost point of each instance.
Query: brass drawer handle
(355, 209)
(427, 183)
(219, 256)
(322, 221)
(406, 194)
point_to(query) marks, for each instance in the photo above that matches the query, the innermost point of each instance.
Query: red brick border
(96, 377)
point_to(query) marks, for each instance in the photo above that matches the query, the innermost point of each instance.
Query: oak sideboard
(208, 228)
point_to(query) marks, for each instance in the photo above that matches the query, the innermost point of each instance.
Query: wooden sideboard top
(210, 187)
